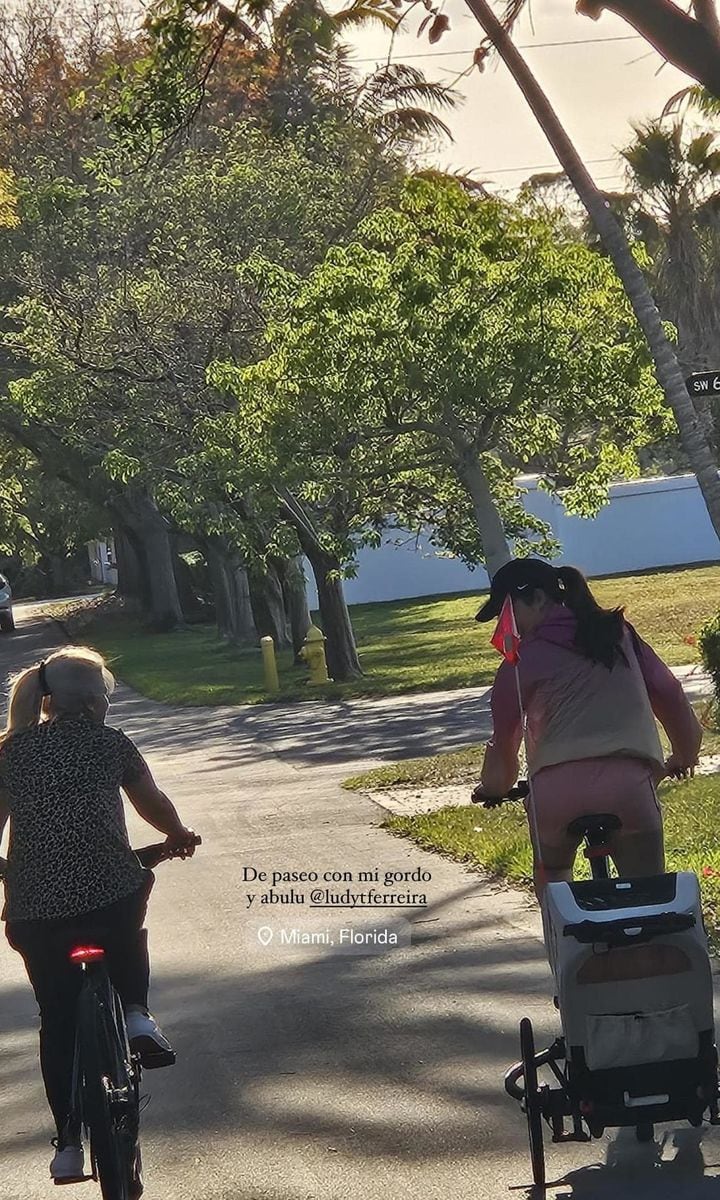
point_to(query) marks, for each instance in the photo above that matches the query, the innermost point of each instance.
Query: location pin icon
(265, 935)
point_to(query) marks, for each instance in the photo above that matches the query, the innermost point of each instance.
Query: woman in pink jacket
(591, 689)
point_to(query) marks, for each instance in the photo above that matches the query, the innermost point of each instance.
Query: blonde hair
(65, 682)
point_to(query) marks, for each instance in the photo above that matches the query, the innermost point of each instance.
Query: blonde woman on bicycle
(70, 871)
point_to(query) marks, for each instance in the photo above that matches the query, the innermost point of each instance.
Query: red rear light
(86, 954)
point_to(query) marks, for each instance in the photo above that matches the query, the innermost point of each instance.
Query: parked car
(7, 621)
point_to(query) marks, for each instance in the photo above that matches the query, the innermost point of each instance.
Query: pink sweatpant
(623, 786)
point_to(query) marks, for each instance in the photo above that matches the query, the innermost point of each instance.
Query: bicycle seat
(597, 825)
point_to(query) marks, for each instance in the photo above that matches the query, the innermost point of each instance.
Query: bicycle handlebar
(519, 792)
(151, 856)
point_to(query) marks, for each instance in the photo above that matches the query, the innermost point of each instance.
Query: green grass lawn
(498, 840)
(405, 646)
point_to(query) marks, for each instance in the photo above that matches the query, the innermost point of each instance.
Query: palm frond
(705, 103)
(367, 12)
(700, 153)
(697, 98)
(655, 158)
(402, 82)
(513, 10)
(258, 10)
(407, 125)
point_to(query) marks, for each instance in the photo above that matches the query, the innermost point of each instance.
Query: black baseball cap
(515, 576)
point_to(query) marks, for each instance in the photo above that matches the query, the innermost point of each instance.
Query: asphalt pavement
(305, 1072)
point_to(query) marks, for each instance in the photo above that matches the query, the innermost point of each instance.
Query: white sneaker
(68, 1165)
(147, 1039)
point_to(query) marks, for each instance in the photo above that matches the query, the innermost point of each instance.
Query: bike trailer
(634, 990)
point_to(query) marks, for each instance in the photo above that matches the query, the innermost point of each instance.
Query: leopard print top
(69, 851)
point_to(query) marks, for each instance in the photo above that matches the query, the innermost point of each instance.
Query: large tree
(455, 343)
(122, 296)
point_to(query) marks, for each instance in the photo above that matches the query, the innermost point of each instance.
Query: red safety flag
(506, 638)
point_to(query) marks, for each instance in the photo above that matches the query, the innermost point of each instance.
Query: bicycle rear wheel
(110, 1090)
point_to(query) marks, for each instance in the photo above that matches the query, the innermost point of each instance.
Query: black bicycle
(107, 1072)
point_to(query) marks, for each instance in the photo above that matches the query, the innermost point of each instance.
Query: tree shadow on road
(372, 1059)
(373, 1055)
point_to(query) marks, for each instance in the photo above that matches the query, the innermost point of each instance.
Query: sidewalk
(370, 732)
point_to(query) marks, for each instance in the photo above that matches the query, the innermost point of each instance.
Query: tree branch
(692, 45)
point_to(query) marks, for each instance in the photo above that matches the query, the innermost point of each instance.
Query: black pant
(45, 946)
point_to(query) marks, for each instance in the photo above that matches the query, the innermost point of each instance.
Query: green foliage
(451, 331)
(709, 644)
(129, 292)
(43, 526)
(285, 63)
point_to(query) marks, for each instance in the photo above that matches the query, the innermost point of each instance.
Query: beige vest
(587, 711)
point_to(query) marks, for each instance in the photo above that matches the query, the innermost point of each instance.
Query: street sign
(704, 383)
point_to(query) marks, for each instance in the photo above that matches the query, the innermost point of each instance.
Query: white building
(647, 523)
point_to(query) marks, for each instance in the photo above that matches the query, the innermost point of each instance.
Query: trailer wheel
(533, 1108)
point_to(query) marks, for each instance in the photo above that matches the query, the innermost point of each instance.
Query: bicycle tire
(532, 1102)
(110, 1089)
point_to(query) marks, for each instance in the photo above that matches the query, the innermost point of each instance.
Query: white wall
(647, 523)
(102, 562)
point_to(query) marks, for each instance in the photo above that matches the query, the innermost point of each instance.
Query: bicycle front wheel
(110, 1092)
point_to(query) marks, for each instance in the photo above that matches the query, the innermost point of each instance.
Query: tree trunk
(233, 610)
(294, 589)
(342, 656)
(691, 45)
(133, 583)
(268, 609)
(221, 593)
(152, 533)
(61, 578)
(190, 603)
(246, 629)
(496, 551)
(667, 369)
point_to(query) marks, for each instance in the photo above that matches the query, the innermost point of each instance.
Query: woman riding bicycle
(589, 688)
(70, 871)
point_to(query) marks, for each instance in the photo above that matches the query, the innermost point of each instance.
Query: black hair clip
(43, 680)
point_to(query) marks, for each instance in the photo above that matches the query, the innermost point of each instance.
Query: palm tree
(675, 206)
(290, 55)
(667, 368)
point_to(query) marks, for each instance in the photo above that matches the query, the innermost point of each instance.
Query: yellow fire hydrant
(313, 653)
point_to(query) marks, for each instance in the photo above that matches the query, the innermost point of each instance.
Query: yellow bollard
(272, 683)
(314, 654)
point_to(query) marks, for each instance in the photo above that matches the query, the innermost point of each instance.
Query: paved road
(304, 1075)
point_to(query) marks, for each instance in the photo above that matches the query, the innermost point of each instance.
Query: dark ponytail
(599, 630)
